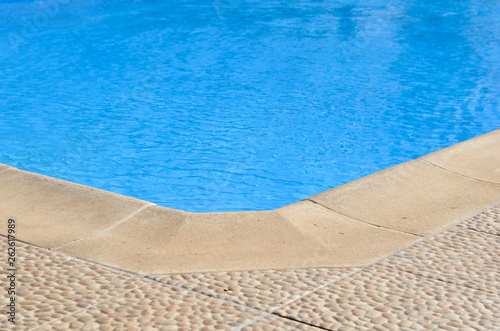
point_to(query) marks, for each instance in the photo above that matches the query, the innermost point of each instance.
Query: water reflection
(231, 105)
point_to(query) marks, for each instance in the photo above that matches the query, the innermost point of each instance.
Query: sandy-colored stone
(50, 285)
(203, 242)
(340, 236)
(400, 291)
(461, 256)
(477, 158)
(41, 304)
(263, 289)
(140, 306)
(414, 197)
(487, 221)
(276, 323)
(4, 167)
(161, 240)
(50, 212)
(448, 281)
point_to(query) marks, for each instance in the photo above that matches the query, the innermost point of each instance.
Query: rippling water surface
(223, 105)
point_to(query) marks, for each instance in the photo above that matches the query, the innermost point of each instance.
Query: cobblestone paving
(263, 289)
(487, 221)
(463, 257)
(448, 281)
(380, 298)
(276, 323)
(57, 292)
(155, 306)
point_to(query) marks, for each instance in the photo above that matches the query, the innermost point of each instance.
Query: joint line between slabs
(457, 173)
(314, 290)
(239, 328)
(301, 322)
(431, 236)
(440, 280)
(205, 294)
(147, 278)
(86, 308)
(98, 233)
(481, 231)
(387, 256)
(360, 221)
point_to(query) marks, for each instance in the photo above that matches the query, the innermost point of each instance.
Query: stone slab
(156, 306)
(51, 285)
(487, 221)
(478, 157)
(57, 292)
(4, 167)
(50, 212)
(161, 240)
(414, 197)
(380, 298)
(460, 256)
(263, 289)
(277, 323)
(344, 241)
(166, 241)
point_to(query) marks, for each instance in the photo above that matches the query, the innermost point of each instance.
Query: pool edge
(351, 225)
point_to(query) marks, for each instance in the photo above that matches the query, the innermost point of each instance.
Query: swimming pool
(228, 105)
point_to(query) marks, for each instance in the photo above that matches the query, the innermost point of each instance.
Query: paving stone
(50, 212)
(4, 167)
(263, 289)
(381, 298)
(460, 256)
(477, 158)
(50, 285)
(157, 306)
(67, 271)
(414, 197)
(446, 282)
(276, 323)
(488, 221)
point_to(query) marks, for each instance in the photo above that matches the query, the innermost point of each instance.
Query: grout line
(5, 170)
(84, 308)
(387, 256)
(432, 235)
(159, 274)
(95, 234)
(281, 316)
(302, 322)
(457, 173)
(205, 294)
(265, 313)
(360, 221)
(481, 231)
(440, 280)
(255, 320)
(319, 288)
(143, 278)
(146, 278)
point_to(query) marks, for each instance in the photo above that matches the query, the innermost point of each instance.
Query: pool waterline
(247, 106)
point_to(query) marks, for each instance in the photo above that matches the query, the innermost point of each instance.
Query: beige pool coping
(352, 225)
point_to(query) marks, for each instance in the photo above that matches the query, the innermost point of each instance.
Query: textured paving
(448, 281)
(386, 298)
(263, 289)
(486, 221)
(57, 292)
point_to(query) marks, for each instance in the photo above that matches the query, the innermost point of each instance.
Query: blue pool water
(223, 105)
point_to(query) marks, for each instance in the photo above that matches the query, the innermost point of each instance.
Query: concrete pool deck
(413, 246)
